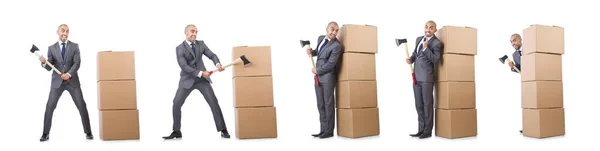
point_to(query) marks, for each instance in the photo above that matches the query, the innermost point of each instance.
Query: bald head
(63, 32)
(332, 30)
(516, 41)
(430, 28)
(191, 32)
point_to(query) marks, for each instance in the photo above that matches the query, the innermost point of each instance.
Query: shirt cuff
(200, 74)
(69, 75)
(218, 64)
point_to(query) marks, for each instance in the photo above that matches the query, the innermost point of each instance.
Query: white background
(153, 30)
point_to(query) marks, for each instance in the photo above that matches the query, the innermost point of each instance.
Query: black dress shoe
(317, 135)
(174, 134)
(44, 137)
(416, 135)
(326, 135)
(89, 136)
(224, 134)
(423, 136)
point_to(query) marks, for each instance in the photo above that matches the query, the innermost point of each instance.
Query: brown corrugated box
(455, 95)
(359, 38)
(259, 56)
(357, 66)
(455, 67)
(541, 67)
(455, 123)
(119, 125)
(543, 39)
(355, 123)
(117, 95)
(459, 40)
(115, 65)
(542, 123)
(253, 91)
(258, 122)
(541, 94)
(356, 94)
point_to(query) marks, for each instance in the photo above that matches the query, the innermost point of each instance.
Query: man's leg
(427, 91)
(178, 101)
(321, 107)
(55, 94)
(77, 97)
(329, 106)
(209, 95)
(419, 106)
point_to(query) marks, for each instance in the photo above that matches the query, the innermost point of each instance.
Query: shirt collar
(60, 42)
(188, 42)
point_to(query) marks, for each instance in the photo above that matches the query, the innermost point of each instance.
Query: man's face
(332, 31)
(190, 33)
(516, 42)
(430, 29)
(63, 33)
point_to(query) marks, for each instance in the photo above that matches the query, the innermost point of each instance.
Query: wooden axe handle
(514, 67)
(227, 65)
(406, 50)
(49, 64)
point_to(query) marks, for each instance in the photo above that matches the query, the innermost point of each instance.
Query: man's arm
(50, 59)
(331, 62)
(76, 62)
(434, 52)
(413, 57)
(212, 56)
(183, 63)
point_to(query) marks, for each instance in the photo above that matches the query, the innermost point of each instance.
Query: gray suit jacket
(327, 59)
(517, 59)
(70, 64)
(426, 62)
(192, 65)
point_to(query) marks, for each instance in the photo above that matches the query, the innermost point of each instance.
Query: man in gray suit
(425, 57)
(328, 53)
(194, 76)
(64, 55)
(515, 41)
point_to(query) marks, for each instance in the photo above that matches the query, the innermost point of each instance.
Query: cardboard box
(355, 123)
(455, 95)
(458, 40)
(541, 94)
(356, 94)
(357, 67)
(543, 39)
(115, 65)
(456, 68)
(455, 123)
(117, 95)
(260, 122)
(259, 56)
(543, 123)
(358, 38)
(119, 125)
(541, 67)
(253, 91)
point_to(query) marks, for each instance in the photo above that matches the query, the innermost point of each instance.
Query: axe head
(400, 41)
(245, 60)
(503, 58)
(304, 43)
(34, 48)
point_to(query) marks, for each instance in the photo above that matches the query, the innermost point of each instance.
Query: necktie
(324, 43)
(520, 54)
(63, 50)
(194, 49)
(421, 46)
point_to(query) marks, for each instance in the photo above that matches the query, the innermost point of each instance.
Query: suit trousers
(424, 104)
(206, 90)
(77, 97)
(326, 106)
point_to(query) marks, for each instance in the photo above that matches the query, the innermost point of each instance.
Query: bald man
(328, 53)
(516, 42)
(194, 76)
(64, 55)
(426, 55)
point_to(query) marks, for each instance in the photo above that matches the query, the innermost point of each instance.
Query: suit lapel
(198, 48)
(58, 52)
(67, 51)
(325, 46)
(189, 49)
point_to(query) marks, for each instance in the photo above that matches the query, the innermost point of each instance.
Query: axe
(403, 41)
(306, 43)
(505, 58)
(241, 59)
(35, 51)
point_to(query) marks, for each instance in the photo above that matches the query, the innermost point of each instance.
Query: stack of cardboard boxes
(357, 110)
(117, 99)
(541, 76)
(255, 115)
(455, 112)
